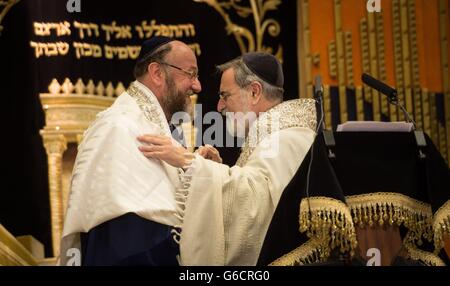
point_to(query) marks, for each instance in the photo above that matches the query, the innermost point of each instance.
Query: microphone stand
(327, 134)
(418, 134)
(391, 94)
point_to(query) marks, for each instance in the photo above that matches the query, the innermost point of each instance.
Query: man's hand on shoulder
(164, 148)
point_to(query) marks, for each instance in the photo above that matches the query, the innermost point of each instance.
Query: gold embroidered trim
(428, 258)
(307, 253)
(329, 222)
(149, 106)
(441, 225)
(288, 114)
(393, 208)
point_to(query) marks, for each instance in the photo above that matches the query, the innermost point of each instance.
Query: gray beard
(174, 101)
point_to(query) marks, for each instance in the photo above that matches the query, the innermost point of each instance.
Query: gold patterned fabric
(288, 114)
(150, 107)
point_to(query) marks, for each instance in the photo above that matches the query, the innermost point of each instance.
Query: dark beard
(175, 100)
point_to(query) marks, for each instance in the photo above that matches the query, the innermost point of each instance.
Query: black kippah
(152, 44)
(265, 66)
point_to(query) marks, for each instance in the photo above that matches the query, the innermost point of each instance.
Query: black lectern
(377, 201)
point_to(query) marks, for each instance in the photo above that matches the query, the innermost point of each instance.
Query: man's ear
(256, 90)
(156, 73)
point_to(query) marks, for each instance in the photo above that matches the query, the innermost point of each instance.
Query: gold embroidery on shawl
(149, 106)
(288, 114)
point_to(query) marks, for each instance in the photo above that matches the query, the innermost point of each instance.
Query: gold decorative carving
(316, 59)
(381, 62)
(406, 55)
(12, 252)
(244, 37)
(399, 78)
(327, 106)
(442, 140)
(5, 6)
(332, 59)
(433, 118)
(359, 104)
(306, 59)
(340, 58)
(373, 63)
(417, 95)
(426, 108)
(349, 59)
(365, 57)
(55, 145)
(69, 109)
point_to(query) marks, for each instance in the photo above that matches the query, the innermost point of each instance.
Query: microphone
(389, 92)
(318, 88)
(318, 96)
(381, 87)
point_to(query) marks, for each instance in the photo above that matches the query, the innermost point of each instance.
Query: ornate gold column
(55, 145)
(340, 53)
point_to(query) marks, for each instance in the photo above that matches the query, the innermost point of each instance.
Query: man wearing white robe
(116, 193)
(228, 209)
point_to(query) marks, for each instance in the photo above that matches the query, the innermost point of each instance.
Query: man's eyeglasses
(224, 95)
(192, 74)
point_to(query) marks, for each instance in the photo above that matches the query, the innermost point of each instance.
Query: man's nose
(220, 105)
(196, 86)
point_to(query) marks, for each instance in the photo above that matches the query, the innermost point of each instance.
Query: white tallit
(228, 210)
(112, 177)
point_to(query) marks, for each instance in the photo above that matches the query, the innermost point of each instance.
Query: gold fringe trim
(307, 253)
(428, 258)
(441, 226)
(329, 222)
(393, 208)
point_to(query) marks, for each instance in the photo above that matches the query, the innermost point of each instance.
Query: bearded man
(123, 208)
(227, 210)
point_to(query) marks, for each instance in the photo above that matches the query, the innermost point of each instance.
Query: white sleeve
(229, 210)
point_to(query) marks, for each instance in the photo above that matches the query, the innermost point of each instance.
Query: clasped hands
(163, 148)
